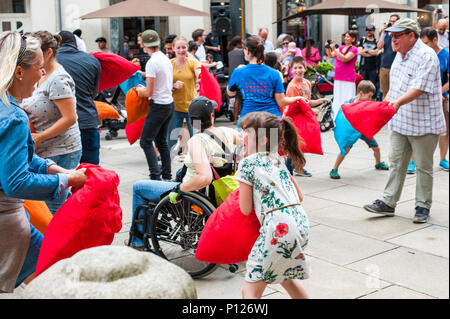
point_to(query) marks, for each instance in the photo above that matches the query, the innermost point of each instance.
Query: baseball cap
(100, 39)
(150, 38)
(404, 24)
(202, 107)
(370, 27)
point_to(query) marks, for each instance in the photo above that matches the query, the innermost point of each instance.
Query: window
(12, 6)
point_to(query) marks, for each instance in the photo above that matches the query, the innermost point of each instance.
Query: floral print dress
(277, 254)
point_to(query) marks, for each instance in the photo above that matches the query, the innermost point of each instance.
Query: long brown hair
(287, 136)
(255, 46)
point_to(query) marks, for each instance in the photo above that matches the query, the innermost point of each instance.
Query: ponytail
(255, 46)
(290, 143)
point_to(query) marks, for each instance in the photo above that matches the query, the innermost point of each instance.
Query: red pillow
(308, 127)
(209, 87)
(90, 217)
(115, 69)
(368, 117)
(228, 236)
(134, 131)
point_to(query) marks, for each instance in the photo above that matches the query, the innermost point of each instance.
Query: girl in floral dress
(277, 256)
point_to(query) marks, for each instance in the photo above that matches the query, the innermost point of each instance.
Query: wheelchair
(172, 231)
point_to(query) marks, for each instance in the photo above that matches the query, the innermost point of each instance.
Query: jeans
(155, 130)
(143, 192)
(29, 266)
(370, 74)
(90, 141)
(67, 161)
(176, 123)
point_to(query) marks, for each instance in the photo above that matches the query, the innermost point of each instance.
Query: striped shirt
(418, 70)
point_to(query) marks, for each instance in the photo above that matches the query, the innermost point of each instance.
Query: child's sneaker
(382, 166)
(334, 174)
(411, 168)
(303, 173)
(444, 164)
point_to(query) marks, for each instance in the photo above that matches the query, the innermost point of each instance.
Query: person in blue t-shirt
(429, 36)
(260, 86)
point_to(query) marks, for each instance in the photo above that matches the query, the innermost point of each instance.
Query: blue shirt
(443, 56)
(85, 70)
(388, 55)
(23, 174)
(258, 85)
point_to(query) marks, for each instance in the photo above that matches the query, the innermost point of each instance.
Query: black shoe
(422, 215)
(379, 207)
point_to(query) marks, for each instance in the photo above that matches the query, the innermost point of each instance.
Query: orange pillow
(137, 107)
(40, 215)
(106, 111)
(32, 129)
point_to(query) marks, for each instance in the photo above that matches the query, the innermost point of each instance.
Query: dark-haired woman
(261, 87)
(52, 111)
(202, 152)
(345, 73)
(311, 54)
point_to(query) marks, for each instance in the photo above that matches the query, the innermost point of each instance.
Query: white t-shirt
(160, 68)
(443, 40)
(201, 53)
(81, 46)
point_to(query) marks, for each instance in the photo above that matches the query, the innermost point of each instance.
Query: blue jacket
(23, 174)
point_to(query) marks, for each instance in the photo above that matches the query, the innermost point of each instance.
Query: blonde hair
(10, 47)
(180, 38)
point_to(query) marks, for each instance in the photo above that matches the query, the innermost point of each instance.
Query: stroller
(323, 87)
(111, 96)
(226, 108)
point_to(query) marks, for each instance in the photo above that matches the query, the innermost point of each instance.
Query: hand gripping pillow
(308, 127)
(114, 69)
(344, 133)
(210, 87)
(106, 111)
(137, 107)
(89, 218)
(368, 117)
(228, 236)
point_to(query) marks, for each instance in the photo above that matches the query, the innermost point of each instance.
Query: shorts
(384, 80)
(370, 142)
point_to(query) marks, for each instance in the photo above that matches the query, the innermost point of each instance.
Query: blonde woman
(185, 75)
(23, 174)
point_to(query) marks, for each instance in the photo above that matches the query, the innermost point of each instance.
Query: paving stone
(341, 247)
(411, 269)
(330, 281)
(396, 292)
(359, 221)
(432, 240)
(439, 214)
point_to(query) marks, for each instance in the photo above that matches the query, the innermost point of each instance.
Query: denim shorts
(371, 143)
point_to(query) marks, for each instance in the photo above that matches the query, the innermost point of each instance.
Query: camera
(439, 10)
(389, 25)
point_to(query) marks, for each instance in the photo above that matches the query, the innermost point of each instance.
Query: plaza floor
(353, 253)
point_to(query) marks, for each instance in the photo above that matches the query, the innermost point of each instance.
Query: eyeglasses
(285, 43)
(398, 35)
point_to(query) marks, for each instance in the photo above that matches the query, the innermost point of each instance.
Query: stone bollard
(112, 272)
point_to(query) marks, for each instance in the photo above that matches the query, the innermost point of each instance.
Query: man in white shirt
(441, 27)
(199, 36)
(268, 46)
(415, 93)
(159, 81)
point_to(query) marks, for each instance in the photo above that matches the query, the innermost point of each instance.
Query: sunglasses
(285, 43)
(398, 35)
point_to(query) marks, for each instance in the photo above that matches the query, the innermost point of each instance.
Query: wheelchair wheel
(176, 230)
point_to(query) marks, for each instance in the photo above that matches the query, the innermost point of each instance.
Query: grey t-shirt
(43, 113)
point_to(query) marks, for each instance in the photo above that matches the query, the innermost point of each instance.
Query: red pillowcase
(115, 69)
(210, 87)
(89, 218)
(134, 131)
(308, 127)
(228, 236)
(368, 117)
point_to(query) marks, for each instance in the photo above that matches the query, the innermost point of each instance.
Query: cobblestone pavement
(353, 254)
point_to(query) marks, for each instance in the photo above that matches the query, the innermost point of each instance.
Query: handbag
(325, 117)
